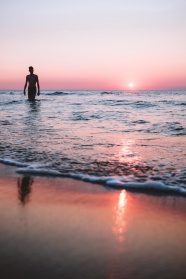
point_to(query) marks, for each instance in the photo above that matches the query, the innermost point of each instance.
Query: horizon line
(129, 89)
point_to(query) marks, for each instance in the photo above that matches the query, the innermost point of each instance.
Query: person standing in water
(32, 80)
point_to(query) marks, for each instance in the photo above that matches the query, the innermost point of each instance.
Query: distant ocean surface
(126, 139)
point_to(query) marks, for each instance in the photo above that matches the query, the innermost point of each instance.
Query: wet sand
(63, 228)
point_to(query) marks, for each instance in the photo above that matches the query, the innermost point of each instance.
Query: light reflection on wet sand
(119, 230)
(72, 229)
(119, 227)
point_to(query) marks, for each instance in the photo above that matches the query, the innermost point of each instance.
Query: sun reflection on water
(119, 217)
(127, 153)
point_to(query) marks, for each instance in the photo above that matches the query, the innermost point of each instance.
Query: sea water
(121, 139)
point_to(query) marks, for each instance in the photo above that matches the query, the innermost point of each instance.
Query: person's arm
(38, 87)
(25, 85)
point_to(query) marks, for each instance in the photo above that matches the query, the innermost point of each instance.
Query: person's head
(31, 69)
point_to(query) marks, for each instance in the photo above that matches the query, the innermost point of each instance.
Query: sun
(131, 84)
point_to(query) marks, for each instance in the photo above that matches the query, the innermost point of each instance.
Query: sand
(63, 228)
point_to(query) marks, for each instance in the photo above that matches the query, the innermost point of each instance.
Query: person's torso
(32, 79)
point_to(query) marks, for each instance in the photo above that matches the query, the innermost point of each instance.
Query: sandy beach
(63, 228)
(93, 139)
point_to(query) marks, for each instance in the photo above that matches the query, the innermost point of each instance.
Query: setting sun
(131, 84)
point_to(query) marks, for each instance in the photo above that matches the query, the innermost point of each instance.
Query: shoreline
(61, 227)
(115, 183)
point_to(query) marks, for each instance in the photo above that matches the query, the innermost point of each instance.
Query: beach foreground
(62, 228)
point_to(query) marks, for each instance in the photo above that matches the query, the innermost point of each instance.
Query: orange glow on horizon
(11, 80)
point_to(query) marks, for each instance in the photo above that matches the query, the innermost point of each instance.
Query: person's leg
(32, 93)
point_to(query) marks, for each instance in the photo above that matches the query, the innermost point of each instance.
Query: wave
(181, 104)
(58, 93)
(112, 182)
(13, 163)
(172, 102)
(8, 92)
(11, 102)
(5, 122)
(106, 93)
(143, 104)
(24, 165)
(140, 122)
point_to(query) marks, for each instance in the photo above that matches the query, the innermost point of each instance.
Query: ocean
(120, 139)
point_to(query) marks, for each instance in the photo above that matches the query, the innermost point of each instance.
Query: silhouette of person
(32, 80)
(24, 188)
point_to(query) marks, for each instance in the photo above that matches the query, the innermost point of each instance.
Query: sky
(94, 44)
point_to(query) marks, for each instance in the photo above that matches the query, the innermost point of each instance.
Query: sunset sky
(94, 44)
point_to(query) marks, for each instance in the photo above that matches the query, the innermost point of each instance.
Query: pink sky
(98, 44)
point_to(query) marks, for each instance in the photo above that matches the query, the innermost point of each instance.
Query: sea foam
(109, 181)
(113, 182)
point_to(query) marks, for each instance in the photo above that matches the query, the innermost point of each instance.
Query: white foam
(31, 170)
(151, 185)
(13, 163)
(114, 182)
(29, 166)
